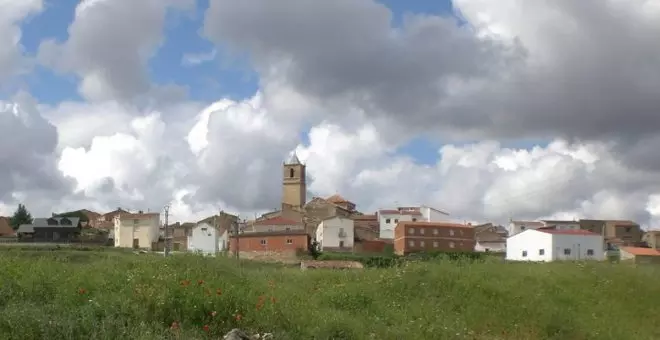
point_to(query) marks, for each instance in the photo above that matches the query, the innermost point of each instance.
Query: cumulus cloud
(11, 54)
(109, 45)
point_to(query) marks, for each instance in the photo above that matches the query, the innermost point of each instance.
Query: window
(288, 241)
(567, 251)
(524, 253)
(590, 252)
(435, 231)
(291, 173)
(421, 231)
(414, 220)
(628, 229)
(396, 220)
(541, 251)
(421, 243)
(435, 244)
(522, 227)
(287, 228)
(411, 231)
(387, 220)
(411, 243)
(205, 229)
(451, 232)
(451, 245)
(341, 244)
(263, 242)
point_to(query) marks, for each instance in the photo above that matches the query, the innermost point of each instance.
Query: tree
(21, 216)
(314, 249)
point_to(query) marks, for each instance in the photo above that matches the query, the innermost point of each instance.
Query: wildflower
(207, 292)
(82, 291)
(206, 328)
(260, 304)
(174, 325)
(200, 282)
(238, 317)
(271, 283)
(272, 299)
(218, 291)
(185, 283)
(213, 313)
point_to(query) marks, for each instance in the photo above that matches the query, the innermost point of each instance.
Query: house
(388, 218)
(490, 238)
(277, 223)
(336, 234)
(5, 227)
(652, 239)
(411, 237)
(516, 227)
(561, 224)
(341, 202)
(640, 255)
(179, 233)
(208, 238)
(269, 244)
(616, 232)
(52, 229)
(88, 218)
(548, 244)
(136, 230)
(366, 227)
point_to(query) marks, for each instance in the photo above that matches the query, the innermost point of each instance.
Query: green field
(68, 294)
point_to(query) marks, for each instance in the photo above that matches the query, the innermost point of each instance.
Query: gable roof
(277, 220)
(43, 222)
(567, 232)
(641, 251)
(25, 228)
(337, 199)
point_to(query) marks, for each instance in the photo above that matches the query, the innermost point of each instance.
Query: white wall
(516, 227)
(328, 233)
(526, 246)
(204, 239)
(387, 229)
(578, 247)
(432, 215)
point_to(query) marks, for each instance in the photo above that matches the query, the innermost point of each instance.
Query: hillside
(113, 295)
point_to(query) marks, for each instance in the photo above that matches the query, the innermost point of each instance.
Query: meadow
(69, 294)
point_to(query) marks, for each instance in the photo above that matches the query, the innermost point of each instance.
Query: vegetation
(21, 216)
(67, 294)
(78, 213)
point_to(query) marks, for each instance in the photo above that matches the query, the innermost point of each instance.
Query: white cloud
(11, 54)
(194, 59)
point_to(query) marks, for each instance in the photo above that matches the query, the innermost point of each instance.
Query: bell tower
(294, 183)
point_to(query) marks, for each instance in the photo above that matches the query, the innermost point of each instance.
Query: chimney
(140, 212)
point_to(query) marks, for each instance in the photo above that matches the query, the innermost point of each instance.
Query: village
(334, 224)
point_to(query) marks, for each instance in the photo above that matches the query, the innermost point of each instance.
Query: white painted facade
(136, 229)
(387, 221)
(517, 227)
(549, 245)
(336, 232)
(204, 238)
(432, 215)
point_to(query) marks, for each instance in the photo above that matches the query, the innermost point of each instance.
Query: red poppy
(218, 291)
(273, 299)
(238, 317)
(82, 291)
(259, 305)
(174, 325)
(206, 328)
(200, 282)
(185, 283)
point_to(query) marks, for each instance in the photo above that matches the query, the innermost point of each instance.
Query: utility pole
(166, 251)
(235, 224)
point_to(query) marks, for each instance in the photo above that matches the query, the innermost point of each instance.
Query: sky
(488, 110)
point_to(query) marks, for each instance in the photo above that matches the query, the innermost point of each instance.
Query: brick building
(264, 243)
(412, 237)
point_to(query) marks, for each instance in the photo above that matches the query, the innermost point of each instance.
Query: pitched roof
(43, 222)
(567, 232)
(25, 228)
(277, 220)
(641, 251)
(293, 160)
(433, 224)
(337, 199)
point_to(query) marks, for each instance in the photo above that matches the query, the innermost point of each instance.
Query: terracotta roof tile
(641, 251)
(337, 199)
(434, 224)
(278, 220)
(567, 232)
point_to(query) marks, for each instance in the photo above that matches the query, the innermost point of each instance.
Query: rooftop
(567, 232)
(641, 251)
(434, 224)
(278, 220)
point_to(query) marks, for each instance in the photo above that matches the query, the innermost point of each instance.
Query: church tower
(294, 183)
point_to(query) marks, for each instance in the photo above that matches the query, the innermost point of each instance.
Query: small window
(522, 227)
(524, 253)
(421, 243)
(541, 251)
(628, 229)
(421, 231)
(387, 220)
(567, 251)
(396, 220)
(411, 243)
(287, 228)
(291, 173)
(288, 241)
(205, 229)
(451, 245)
(435, 231)
(590, 252)
(341, 244)
(263, 242)
(414, 219)
(451, 232)
(435, 244)
(411, 231)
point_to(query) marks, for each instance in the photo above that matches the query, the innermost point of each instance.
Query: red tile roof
(5, 227)
(278, 220)
(337, 199)
(567, 232)
(641, 251)
(433, 224)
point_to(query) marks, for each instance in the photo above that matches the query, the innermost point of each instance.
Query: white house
(139, 230)
(336, 233)
(388, 218)
(555, 244)
(207, 239)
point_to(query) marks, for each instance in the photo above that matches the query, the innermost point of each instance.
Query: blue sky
(222, 77)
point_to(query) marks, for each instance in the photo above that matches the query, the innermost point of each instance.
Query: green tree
(21, 216)
(314, 249)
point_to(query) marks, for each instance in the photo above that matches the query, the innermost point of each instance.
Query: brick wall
(371, 246)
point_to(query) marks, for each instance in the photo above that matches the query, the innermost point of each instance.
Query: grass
(67, 294)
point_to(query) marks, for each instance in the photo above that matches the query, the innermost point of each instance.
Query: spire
(294, 159)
